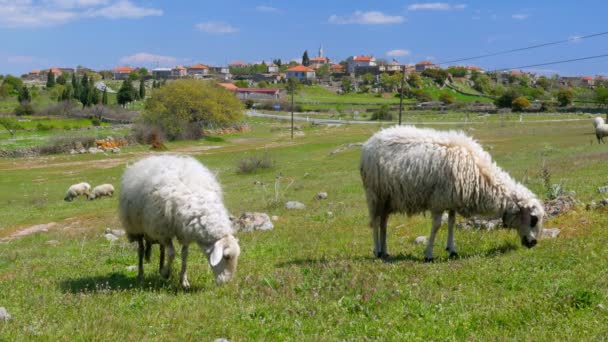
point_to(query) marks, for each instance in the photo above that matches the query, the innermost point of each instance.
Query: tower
(320, 51)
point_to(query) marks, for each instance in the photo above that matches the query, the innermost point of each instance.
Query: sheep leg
(383, 222)
(148, 249)
(183, 278)
(436, 223)
(166, 271)
(162, 258)
(140, 255)
(451, 220)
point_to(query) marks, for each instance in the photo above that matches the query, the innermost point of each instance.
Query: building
(55, 71)
(163, 73)
(179, 72)
(67, 70)
(238, 65)
(223, 70)
(420, 67)
(319, 61)
(392, 67)
(359, 61)
(121, 73)
(301, 73)
(273, 68)
(337, 69)
(197, 70)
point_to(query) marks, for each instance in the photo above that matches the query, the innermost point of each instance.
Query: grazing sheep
(411, 170)
(601, 129)
(102, 190)
(76, 190)
(598, 120)
(148, 252)
(166, 197)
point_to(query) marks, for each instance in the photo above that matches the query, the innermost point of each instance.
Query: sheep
(166, 197)
(411, 170)
(101, 190)
(601, 129)
(76, 190)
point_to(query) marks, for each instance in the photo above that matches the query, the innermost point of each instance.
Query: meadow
(313, 277)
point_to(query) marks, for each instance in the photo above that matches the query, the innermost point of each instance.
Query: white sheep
(601, 129)
(598, 120)
(76, 190)
(166, 197)
(102, 190)
(412, 170)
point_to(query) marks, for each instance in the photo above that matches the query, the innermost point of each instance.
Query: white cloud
(520, 16)
(267, 9)
(216, 27)
(45, 13)
(398, 53)
(435, 6)
(366, 18)
(148, 58)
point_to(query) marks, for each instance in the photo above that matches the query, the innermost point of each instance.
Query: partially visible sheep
(598, 120)
(411, 170)
(166, 197)
(102, 190)
(76, 190)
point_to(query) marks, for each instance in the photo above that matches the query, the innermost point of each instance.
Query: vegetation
(126, 93)
(520, 104)
(10, 124)
(565, 97)
(190, 104)
(383, 113)
(305, 59)
(254, 163)
(447, 97)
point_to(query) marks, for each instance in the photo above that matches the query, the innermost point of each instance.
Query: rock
(78, 146)
(330, 214)
(559, 205)
(421, 240)
(481, 223)
(73, 151)
(603, 189)
(274, 218)
(591, 205)
(132, 268)
(251, 221)
(257, 182)
(221, 340)
(444, 218)
(111, 237)
(601, 307)
(604, 202)
(321, 195)
(52, 242)
(294, 205)
(82, 151)
(4, 315)
(550, 233)
(115, 232)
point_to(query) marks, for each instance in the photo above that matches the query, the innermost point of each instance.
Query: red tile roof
(319, 59)
(228, 86)
(238, 63)
(126, 70)
(55, 71)
(587, 78)
(300, 68)
(198, 66)
(473, 68)
(337, 67)
(363, 58)
(179, 67)
(34, 72)
(425, 63)
(516, 72)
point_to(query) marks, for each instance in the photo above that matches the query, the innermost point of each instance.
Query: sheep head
(223, 258)
(527, 218)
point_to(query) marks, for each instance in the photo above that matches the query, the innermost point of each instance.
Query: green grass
(312, 277)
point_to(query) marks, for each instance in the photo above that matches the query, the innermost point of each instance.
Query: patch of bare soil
(30, 230)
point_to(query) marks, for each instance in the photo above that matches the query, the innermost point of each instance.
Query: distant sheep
(77, 190)
(601, 129)
(598, 120)
(102, 190)
(412, 170)
(166, 197)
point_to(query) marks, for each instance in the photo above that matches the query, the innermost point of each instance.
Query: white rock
(221, 340)
(94, 150)
(294, 205)
(132, 268)
(249, 222)
(274, 218)
(550, 233)
(111, 237)
(321, 195)
(421, 240)
(115, 232)
(4, 315)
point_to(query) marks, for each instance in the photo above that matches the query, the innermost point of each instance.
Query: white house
(301, 73)
(359, 61)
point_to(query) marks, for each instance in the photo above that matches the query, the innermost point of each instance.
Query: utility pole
(401, 96)
(292, 92)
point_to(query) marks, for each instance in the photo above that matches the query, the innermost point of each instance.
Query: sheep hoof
(381, 255)
(427, 259)
(185, 284)
(165, 273)
(454, 255)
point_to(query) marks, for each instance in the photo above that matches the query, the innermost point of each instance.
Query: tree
(447, 97)
(565, 96)
(104, 97)
(438, 75)
(323, 70)
(241, 84)
(421, 96)
(481, 82)
(61, 79)
(13, 84)
(387, 82)
(305, 59)
(347, 85)
(134, 76)
(277, 62)
(520, 104)
(10, 124)
(457, 71)
(95, 97)
(414, 80)
(262, 84)
(50, 79)
(186, 103)
(143, 73)
(24, 95)
(126, 93)
(67, 93)
(506, 99)
(142, 89)
(543, 82)
(601, 97)
(368, 79)
(75, 87)
(154, 85)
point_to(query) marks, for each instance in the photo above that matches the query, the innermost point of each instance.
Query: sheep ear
(217, 253)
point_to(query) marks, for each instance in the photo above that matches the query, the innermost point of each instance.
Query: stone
(132, 268)
(94, 150)
(251, 221)
(330, 214)
(4, 315)
(603, 189)
(550, 233)
(604, 202)
(82, 151)
(115, 232)
(220, 340)
(294, 205)
(344, 148)
(591, 205)
(321, 195)
(444, 218)
(421, 240)
(274, 218)
(111, 237)
(73, 151)
(481, 223)
(559, 205)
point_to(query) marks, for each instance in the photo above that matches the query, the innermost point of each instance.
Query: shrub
(520, 104)
(382, 113)
(506, 99)
(96, 122)
(253, 163)
(565, 96)
(421, 96)
(145, 134)
(548, 106)
(249, 103)
(447, 98)
(40, 127)
(24, 109)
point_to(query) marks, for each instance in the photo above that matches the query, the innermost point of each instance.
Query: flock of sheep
(404, 169)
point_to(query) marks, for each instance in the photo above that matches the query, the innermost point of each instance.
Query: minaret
(320, 51)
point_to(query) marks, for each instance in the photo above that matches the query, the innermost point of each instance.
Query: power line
(526, 48)
(553, 63)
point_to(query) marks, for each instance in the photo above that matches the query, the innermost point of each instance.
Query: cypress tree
(24, 95)
(75, 87)
(50, 79)
(142, 89)
(104, 97)
(125, 93)
(305, 59)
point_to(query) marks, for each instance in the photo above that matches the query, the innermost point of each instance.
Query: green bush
(253, 163)
(40, 127)
(96, 122)
(520, 104)
(383, 113)
(24, 109)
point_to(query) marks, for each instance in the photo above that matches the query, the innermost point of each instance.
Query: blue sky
(101, 34)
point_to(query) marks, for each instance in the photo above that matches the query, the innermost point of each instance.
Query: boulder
(550, 233)
(4, 315)
(321, 195)
(421, 240)
(251, 221)
(294, 205)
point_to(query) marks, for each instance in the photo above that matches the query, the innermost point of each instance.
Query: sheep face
(224, 257)
(528, 221)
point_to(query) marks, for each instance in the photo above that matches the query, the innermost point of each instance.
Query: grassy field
(313, 277)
